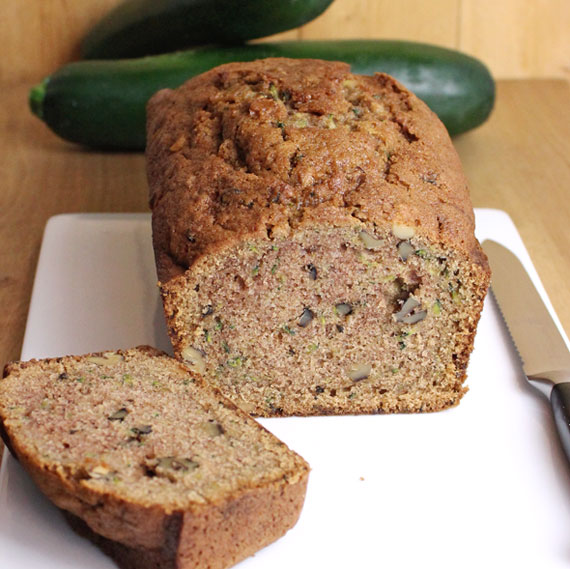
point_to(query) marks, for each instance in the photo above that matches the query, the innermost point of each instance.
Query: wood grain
(433, 22)
(518, 39)
(42, 35)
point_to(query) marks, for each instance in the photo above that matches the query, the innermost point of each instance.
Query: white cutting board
(481, 485)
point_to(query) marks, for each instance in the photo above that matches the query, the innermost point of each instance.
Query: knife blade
(542, 348)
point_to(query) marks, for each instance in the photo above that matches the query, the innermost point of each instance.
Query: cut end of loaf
(143, 428)
(353, 319)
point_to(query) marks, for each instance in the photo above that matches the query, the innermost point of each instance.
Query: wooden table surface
(519, 161)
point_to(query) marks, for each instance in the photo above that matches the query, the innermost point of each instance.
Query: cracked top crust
(264, 148)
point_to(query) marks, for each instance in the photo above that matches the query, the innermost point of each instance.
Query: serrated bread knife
(544, 353)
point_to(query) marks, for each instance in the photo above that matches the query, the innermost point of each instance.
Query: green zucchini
(136, 28)
(102, 103)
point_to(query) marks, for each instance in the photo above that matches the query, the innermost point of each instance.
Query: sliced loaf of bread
(149, 461)
(314, 239)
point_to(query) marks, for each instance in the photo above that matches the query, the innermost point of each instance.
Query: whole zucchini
(137, 28)
(102, 103)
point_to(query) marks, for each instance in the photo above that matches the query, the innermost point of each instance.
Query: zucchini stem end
(37, 96)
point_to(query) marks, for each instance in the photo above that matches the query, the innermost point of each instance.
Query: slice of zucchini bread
(150, 462)
(314, 239)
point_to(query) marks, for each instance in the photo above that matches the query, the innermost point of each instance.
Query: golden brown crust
(216, 536)
(131, 557)
(268, 147)
(224, 534)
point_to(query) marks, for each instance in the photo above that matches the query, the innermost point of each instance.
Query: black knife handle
(560, 399)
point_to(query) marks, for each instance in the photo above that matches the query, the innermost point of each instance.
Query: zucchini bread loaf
(314, 239)
(148, 461)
